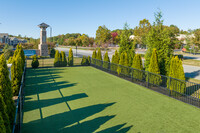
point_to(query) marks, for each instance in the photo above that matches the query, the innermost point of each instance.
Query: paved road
(190, 71)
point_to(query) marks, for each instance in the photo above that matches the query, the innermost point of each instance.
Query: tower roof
(43, 25)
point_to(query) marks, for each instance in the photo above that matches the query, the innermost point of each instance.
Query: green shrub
(52, 53)
(4, 114)
(83, 62)
(2, 126)
(35, 62)
(10, 60)
(8, 52)
(125, 68)
(137, 64)
(115, 61)
(154, 76)
(94, 54)
(121, 63)
(70, 58)
(176, 71)
(16, 74)
(106, 60)
(99, 57)
(6, 90)
(88, 60)
(63, 59)
(57, 59)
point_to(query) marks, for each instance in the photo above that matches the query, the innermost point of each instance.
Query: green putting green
(85, 100)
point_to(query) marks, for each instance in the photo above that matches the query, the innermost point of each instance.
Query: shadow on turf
(47, 87)
(36, 104)
(70, 121)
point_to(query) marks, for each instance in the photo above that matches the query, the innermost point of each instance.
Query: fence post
(169, 86)
(147, 79)
(131, 74)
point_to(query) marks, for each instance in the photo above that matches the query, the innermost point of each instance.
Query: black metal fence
(19, 105)
(185, 91)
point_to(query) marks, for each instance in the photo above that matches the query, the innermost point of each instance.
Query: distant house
(4, 38)
(183, 37)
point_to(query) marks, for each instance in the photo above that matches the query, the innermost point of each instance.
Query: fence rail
(182, 90)
(19, 105)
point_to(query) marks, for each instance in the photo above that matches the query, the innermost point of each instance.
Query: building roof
(13, 38)
(43, 25)
(3, 34)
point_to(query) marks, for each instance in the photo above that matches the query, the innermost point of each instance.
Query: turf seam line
(61, 93)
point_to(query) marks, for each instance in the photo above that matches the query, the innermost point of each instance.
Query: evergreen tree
(64, 59)
(99, 58)
(2, 126)
(84, 62)
(176, 72)
(121, 63)
(137, 64)
(4, 114)
(115, 61)
(125, 43)
(5, 88)
(159, 37)
(35, 62)
(94, 55)
(154, 77)
(106, 61)
(112, 64)
(57, 59)
(125, 67)
(70, 58)
(16, 74)
(10, 60)
(88, 60)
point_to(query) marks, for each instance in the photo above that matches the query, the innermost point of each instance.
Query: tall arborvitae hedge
(3, 111)
(57, 59)
(89, 60)
(16, 74)
(63, 59)
(85, 61)
(106, 63)
(94, 55)
(70, 58)
(5, 89)
(2, 126)
(99, 57)
(115, 61)
(35, 62)
(176, 71)
(125, 69)
(154, 76)
(112, 65)
(137, 64)
(121, 63)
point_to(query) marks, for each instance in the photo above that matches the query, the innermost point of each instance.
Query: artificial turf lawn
(84, 100)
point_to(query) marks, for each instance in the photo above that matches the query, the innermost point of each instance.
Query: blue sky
(84, 16)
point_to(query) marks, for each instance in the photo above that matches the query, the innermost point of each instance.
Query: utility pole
(50, 35)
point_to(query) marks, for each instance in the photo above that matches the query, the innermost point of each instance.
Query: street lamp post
(50, 35)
